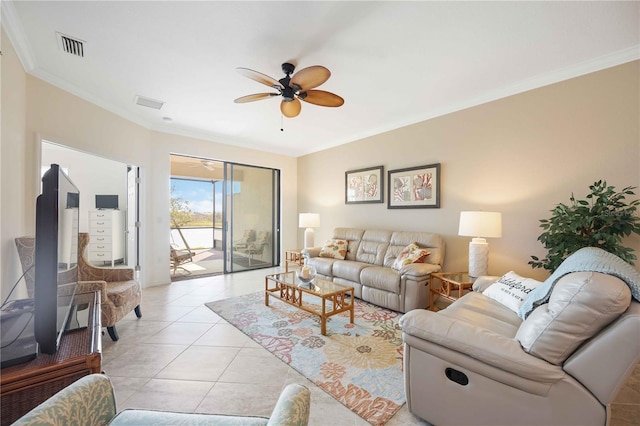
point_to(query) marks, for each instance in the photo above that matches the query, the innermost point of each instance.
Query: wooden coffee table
(336, 298)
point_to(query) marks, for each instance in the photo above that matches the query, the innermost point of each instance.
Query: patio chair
(180, 256)
(248, 237)
(256, 248)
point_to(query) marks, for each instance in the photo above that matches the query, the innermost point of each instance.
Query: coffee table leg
(323, 318)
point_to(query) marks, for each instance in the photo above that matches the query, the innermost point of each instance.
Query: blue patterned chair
(90, 401)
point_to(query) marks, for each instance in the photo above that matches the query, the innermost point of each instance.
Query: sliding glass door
(251, 209)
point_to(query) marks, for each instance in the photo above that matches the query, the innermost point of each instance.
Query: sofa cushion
(410, 254)
(353, 236)
(334, 248)
(123, 292)
(373, 247)
(432, 242)
(323, 265)
(150, 417)
(511, 290)
(349, 270)
(580, 305)
(381, 278)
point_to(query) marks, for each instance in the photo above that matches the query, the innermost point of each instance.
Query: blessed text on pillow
(410, 254)
(511, 290)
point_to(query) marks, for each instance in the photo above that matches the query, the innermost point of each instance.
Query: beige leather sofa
(476, 362)
(367, 266)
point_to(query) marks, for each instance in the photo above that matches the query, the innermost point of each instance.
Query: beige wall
(520, 155)
(43, 111)
(13, 203)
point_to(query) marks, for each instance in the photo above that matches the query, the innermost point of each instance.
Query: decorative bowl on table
(306, 274)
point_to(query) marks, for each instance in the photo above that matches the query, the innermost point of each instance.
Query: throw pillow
(511, 290)
(336, 249)
(410, 254)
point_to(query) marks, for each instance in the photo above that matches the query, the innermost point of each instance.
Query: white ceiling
(394, 63)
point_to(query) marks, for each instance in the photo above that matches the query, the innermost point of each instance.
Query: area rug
(359, 364)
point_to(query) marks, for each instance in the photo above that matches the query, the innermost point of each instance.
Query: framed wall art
(414, 188)
(364, 186)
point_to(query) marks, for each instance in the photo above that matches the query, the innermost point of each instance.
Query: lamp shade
(480, 224)
(309, 220)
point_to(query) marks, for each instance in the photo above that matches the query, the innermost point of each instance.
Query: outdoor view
(199, 225)
(196, 210)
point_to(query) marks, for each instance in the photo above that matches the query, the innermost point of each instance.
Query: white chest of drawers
(106, 236)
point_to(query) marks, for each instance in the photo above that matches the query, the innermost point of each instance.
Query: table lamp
(309, 221)
(480, 225)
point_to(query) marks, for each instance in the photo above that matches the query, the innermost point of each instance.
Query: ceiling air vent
(148, 102)
(70, 45)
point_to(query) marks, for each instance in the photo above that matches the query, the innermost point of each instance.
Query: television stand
(24, 386)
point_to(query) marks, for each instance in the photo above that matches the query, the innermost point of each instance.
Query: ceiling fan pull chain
(281, 123)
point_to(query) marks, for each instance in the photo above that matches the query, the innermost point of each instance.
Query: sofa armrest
(483, 282)
(479, 343)
(292, 408)
(88, 401)
(419, 270)
(312, 251)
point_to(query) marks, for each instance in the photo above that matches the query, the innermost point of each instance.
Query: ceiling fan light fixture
(288, 68)
(294, 88)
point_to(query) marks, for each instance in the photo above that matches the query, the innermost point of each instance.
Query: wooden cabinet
(24, 386)
(106, 237)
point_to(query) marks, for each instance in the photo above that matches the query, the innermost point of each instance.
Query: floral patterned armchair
(120, 292)
(90, 401)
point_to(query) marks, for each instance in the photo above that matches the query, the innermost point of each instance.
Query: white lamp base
(478, 257)
(308, 238)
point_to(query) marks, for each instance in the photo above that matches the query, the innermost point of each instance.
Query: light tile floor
(180, 356)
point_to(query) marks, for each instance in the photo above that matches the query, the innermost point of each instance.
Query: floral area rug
(359, 364)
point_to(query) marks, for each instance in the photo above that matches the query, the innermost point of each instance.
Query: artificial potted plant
(602, 220)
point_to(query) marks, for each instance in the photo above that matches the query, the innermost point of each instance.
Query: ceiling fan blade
(310, 77)
(290, 109)
(254, 97)
(260, 78)
(322, 98)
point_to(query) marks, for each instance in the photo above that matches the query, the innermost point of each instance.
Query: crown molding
(14, 30)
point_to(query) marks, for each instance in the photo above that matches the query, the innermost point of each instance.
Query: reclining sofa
(90, 401)
(368, 266)
(477, 362)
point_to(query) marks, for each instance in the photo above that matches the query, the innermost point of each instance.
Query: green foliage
(180, 211)
(602, 220)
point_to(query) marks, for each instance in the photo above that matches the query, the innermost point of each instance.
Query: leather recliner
(477, 363)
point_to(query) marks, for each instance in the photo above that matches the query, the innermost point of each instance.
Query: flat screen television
(56, 257)
(106, 202)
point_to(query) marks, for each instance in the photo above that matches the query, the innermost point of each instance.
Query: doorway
(96, 178)
(224, 217)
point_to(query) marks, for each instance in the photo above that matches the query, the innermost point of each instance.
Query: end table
(449, 282)
(292, 256)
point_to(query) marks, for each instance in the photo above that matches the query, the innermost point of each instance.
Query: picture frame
(414, 187)
(364, 186)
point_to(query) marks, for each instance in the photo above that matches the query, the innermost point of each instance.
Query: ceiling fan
(294, 88)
